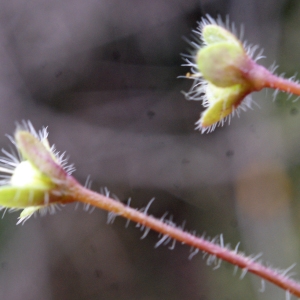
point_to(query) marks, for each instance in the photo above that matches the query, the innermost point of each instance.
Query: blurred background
(102, 75)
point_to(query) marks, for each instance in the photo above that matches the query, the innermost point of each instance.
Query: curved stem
(170, 231)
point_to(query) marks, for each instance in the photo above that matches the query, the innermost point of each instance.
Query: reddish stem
(282, 84)
(89, 197)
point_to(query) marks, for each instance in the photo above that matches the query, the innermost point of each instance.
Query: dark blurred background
(102, 75)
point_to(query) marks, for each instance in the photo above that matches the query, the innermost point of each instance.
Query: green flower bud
(35, 179)
(224, 74)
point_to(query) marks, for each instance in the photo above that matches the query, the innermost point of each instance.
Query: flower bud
(224, 74)
(36, 178)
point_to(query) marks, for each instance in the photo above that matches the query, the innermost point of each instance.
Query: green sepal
(39, 155)
(222, 102)
(22, 197)
(29, 211)
(222, 64)
(212, 34)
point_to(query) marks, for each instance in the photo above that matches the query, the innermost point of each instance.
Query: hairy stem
(219, 251)
(282, 84)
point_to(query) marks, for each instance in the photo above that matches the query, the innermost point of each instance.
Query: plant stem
(219, 251)
(282, 84)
